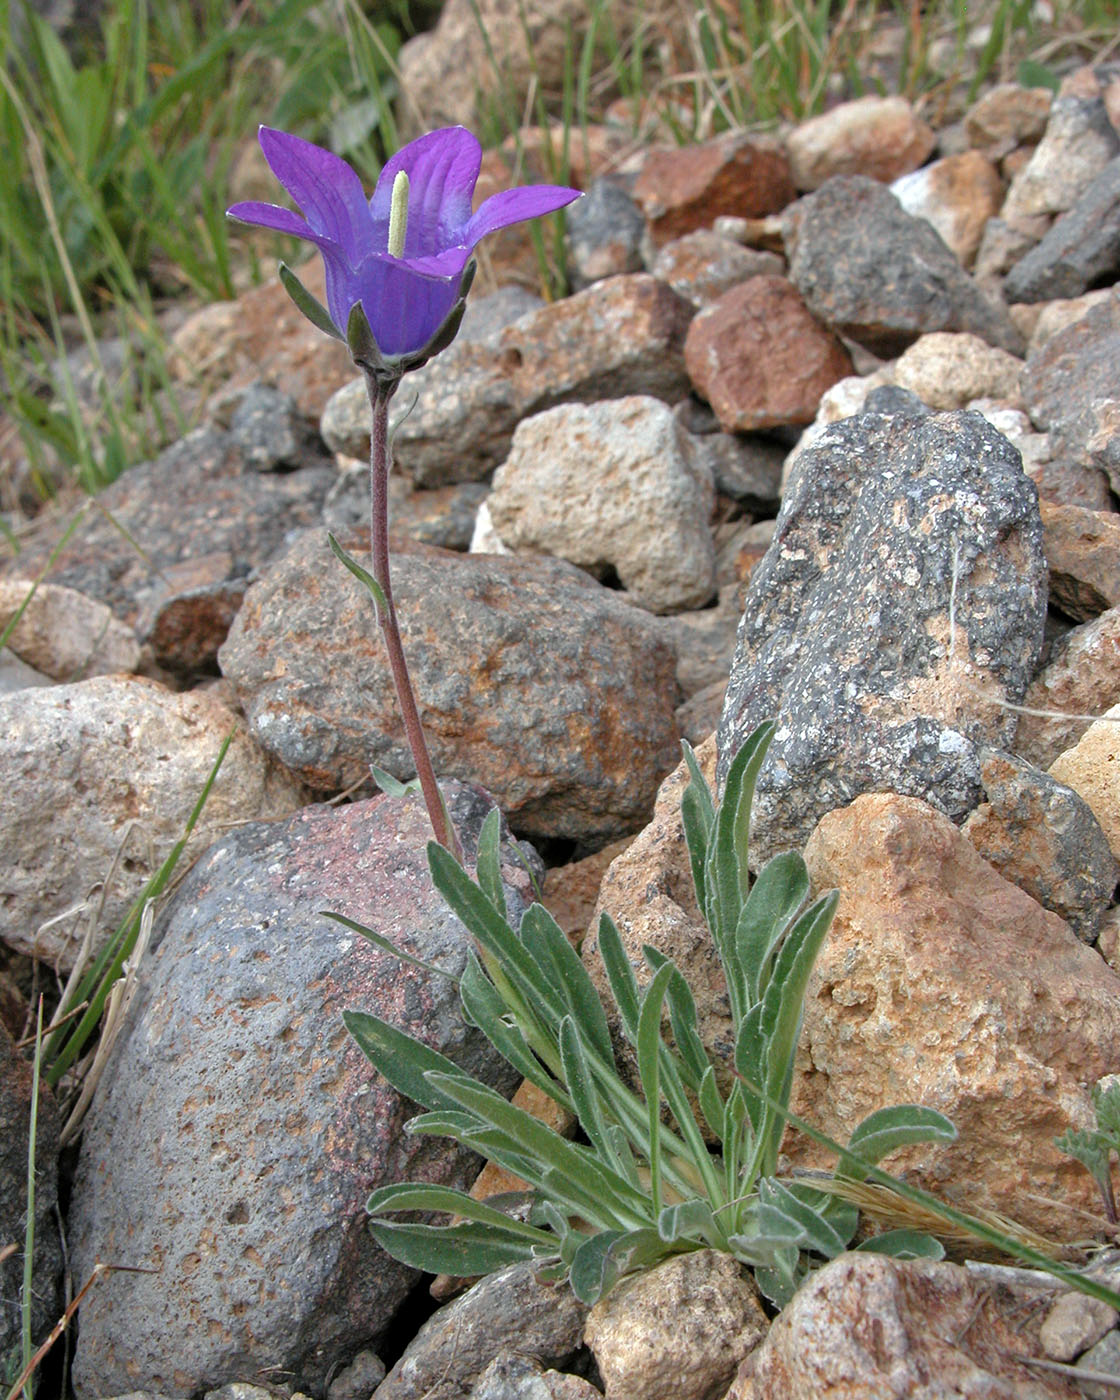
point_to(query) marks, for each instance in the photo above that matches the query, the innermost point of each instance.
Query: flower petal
(404, 307)
(511, 206)
(327, 189)
(442, 169)
(251, 211)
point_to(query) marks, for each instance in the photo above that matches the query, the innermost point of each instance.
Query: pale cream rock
(877, 136)
(948, 370)
(682, 1329)
(63, 633)
(957, 195)
(1092, 768)
(97, 781)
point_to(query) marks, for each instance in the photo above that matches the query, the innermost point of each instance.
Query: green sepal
(308, 305)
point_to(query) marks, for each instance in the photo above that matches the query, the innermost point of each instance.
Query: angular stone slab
(902, 598)
(238, 1129)
(886, 288)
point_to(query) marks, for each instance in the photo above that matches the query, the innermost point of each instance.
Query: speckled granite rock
(238, 1130)
(904, 594)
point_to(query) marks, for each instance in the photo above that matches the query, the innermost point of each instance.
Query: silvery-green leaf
(624, 985)
(403, 1061)
(561, 964)
(888, 1129)
(904, 1244)
(362, 575)
(464, 1251)
(387, 946)
(485, 1009)
(489, 861)
(390, 786)
(817, 1233)
(421, 1195)
(775, 898)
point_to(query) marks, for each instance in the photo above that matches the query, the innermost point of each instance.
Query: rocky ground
(828, 431)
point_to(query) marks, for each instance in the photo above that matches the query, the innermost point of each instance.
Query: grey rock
(1102, 1359)
(1077, 144)
(904, 594)
(605, 230)
(1071, 387)
(885, 290)
(511, 1376)
(508, 1310)
(1079, 251)
(270, 430)
(358, 1380)
(1043, 837)
(195, 518)
(612, 487)
(15, 1121)
(238, 1130)
(532, 679)
(443, 516)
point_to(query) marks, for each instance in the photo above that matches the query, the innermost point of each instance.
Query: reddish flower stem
(380, 464)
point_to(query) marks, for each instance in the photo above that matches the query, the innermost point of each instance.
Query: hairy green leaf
(904, 1244)
(489, 862)
(776, 896)
(888, 1129)
(404, 1061)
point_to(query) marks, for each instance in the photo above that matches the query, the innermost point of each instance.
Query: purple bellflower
(402, 256)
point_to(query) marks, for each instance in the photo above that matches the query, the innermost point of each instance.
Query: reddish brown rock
(870, 1326)
(685, 188)
(761, 359)
(877, 136)
(1082, 548)
(942, 984)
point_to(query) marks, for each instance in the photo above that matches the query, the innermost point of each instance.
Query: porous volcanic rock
(902, 600)
(238, 1129)
(531, 678)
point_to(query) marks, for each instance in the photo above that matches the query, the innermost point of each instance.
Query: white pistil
(398, 215)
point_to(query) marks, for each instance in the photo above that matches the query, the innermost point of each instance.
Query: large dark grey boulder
(238, 1130)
